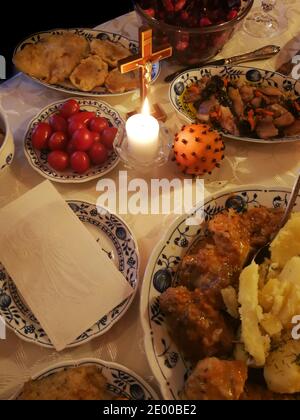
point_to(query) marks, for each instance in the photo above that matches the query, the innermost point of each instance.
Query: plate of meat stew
(189, 306)
(243, 103)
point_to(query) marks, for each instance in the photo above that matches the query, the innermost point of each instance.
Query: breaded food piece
(31, 61)
(83, 383)
(215, 379)
(216, 262)
(110, 52)
(262, 223)
(53, 58)
(90, 73)
(117, 82)
(197, 328)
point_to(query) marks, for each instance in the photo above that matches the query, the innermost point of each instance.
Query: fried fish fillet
(90, 73)
(109, 51)
(53, 58)
(83, 383)
(117, 82)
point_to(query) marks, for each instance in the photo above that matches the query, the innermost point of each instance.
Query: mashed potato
(251, 314)
(282, 370)
(287, 243)
(270, 298)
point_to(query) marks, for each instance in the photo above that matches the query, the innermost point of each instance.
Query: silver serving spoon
(264, 252)
(261, 54)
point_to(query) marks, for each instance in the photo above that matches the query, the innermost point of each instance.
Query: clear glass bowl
(193, 45)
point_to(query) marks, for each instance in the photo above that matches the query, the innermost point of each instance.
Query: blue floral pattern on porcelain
(19, 318)
(168, 364)
(89, 35)
(252, 76)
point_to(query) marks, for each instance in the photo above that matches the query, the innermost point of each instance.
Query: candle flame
(146, 107)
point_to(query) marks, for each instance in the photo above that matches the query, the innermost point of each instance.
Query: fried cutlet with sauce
(216, 380)
(196, 326)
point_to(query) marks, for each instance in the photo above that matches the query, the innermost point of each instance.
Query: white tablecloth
(245, 164)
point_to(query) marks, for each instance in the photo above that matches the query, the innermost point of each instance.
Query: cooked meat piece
(215, 263)
(255, 392)
(231, 236)
(216, 380)
(285, 120)
(278, 110)
(271, 91)
(256, 102)
(247, 93)
(210, 272)
(206, 108)
(198, 329)
(262, 224)
(238, 104)
(194, 93)
(293, 129)
(227, 121)
(266, 129)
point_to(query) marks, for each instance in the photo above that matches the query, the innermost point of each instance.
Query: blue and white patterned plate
(249, 75)
(89, 35)
(121, 382)
(116, 240)
(38, 160)
(167, 363)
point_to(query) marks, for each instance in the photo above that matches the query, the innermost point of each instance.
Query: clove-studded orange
(198, 149)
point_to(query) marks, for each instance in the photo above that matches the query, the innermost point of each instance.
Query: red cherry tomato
(96, 137)
(40, 136)
(83, 140)
(58, 141)
(82, 117)
(108, 136)
(74, 126)
(69, 108)
(58, 123)
(80, 162)
(58, 160)
(71, 148)
(98, 124)
(98, 154)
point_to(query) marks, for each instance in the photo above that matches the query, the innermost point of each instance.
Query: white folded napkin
(56, 264)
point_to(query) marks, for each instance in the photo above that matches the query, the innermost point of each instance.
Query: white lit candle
(143, 135)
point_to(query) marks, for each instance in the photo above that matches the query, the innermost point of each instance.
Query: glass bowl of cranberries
(196, 29)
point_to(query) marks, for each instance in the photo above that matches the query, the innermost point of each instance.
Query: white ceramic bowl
(7, 149)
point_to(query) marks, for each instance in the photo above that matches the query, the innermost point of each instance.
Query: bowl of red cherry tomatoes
(72, 141)
(196, 29)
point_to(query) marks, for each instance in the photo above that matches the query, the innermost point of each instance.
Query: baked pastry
(109, 51)
(116, 82)
(90, 73)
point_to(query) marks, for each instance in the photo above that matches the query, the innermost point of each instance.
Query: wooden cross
(144, 60)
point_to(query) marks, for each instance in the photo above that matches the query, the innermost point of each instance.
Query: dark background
(21, 19)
